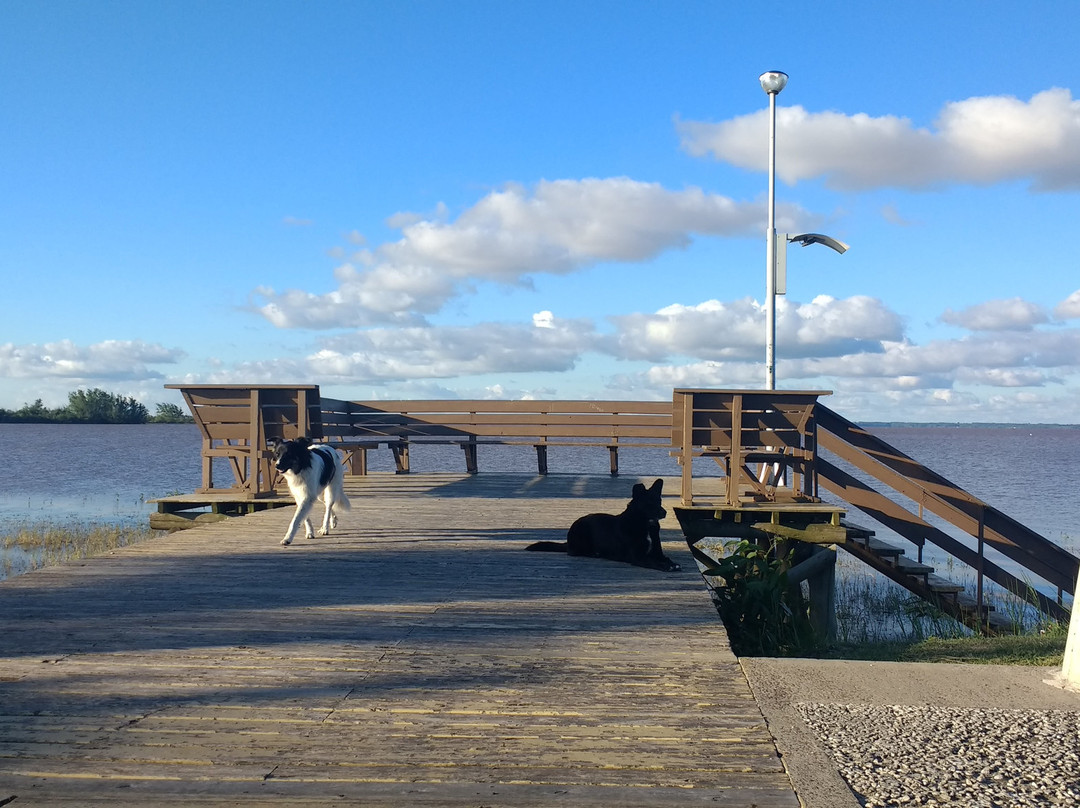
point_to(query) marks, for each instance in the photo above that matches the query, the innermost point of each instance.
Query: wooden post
(819, 572)
(401, 456)
(256, 439)
(735, 462)
(541, 459)
(685, 400)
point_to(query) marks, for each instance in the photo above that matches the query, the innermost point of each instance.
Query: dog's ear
(273, 444)
(657, 487)
(638, 490)
(304, 441)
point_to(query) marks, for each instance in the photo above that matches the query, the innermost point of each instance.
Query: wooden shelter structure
(771, 457)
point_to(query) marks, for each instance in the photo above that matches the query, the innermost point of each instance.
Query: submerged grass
(31, 546)
(878, 620)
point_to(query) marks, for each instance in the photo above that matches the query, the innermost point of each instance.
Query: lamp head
(773, 81)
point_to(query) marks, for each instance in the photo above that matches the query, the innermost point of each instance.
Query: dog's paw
(286, 542)
(322, 532)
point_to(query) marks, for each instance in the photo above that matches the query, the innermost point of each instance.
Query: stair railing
(932, 492)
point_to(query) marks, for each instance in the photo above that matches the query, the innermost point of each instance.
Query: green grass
(880, 621)
(1042, 649)
(32, 546)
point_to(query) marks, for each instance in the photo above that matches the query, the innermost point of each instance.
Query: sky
(478, 199)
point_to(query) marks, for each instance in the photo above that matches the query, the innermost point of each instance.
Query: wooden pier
(417, 657)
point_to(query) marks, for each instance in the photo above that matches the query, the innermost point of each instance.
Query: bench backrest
(237, 422)
(608, 422)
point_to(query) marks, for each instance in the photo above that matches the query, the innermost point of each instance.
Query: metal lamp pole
(772, 83)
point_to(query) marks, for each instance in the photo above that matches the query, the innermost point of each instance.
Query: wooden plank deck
(416, 657)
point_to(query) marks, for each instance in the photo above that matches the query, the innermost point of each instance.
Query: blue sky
(542, 199)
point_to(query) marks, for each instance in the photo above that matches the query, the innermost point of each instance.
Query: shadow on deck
(416, 656)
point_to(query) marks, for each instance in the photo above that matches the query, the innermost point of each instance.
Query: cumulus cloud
(979, 141)
(557, 227)
(1000, 360)
(109, 360)
(409, 354)
(719, 331)
(1069, 308)
(1014, 314)
(901, 377)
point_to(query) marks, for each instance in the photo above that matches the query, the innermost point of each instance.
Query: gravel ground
(895, 734)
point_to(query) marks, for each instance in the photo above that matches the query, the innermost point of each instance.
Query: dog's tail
(343, 502)
(548, 546)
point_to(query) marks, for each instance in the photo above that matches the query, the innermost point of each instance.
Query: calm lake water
(107, 473)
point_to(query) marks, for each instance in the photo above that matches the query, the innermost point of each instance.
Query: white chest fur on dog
(311, 472)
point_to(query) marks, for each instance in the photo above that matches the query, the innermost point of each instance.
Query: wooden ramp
(417, 657)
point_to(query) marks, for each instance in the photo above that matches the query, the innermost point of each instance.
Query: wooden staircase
(872, 460)
(779, 449)
(920, 579)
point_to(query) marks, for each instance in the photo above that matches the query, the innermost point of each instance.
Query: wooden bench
(358, 426)
(238, 421)
(737, 428)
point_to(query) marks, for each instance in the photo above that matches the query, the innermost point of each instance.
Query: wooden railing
(358, 426)
(928, 490)
(764, 441)
(237, 422)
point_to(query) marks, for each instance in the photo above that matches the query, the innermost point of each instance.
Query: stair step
(910, 566)
(856, 532)
(882, 548)
(943, 586)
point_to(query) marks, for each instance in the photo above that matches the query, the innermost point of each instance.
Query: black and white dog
(312, 472)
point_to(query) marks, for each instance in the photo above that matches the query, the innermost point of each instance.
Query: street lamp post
(772, 83)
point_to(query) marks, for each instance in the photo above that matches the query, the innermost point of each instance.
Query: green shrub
(764, 616)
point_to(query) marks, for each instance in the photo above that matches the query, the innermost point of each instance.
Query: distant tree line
(95, 407)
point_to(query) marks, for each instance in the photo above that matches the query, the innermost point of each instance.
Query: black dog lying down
(633, 536)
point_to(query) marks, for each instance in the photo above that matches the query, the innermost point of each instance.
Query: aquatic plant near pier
(32, 546)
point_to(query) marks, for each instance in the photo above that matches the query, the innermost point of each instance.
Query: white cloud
(1014, 314)
(1004, 377)
(905, 381)
(732, 375)
(979, 141)
(559, 227)
(408, 354)
(110, 360)
(988, 358)
(719, 331)
(1069, 308)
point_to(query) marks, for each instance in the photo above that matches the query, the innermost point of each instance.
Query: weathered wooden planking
(418, 656)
